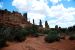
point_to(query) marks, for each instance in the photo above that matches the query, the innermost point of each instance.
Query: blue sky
(56, 12)
(7, 4)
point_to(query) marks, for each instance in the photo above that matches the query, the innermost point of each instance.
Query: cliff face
(13, 19)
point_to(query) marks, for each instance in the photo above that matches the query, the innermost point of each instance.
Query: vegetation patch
(52, 36)
(72, 37)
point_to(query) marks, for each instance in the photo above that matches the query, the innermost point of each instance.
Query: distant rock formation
(46, 25)
(40, 23)
(13, 19)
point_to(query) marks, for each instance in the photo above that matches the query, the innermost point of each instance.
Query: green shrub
(72, 37)
(12, 34)
(18, 34)
(52, 36)
(2, 43)
(3, 38)
(46, 31)
(21, 35)
(34, 31)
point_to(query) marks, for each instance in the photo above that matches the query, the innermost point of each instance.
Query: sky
(56, 12)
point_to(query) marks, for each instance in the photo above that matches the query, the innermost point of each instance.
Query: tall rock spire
(33, 22)
(46, 24)
(25, 15)
(40, 23)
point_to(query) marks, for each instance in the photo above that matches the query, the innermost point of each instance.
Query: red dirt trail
(38, 44)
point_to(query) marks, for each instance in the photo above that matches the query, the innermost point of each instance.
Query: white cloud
(38, 9)
(36, 17)
(20, 4)
(65, 16)
(29, 5)
(1, 5)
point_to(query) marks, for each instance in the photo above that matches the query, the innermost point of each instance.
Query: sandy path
(39, 44)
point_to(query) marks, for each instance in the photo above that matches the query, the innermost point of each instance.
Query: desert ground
(38, 43)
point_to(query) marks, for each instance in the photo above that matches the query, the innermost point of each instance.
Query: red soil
(39, 44)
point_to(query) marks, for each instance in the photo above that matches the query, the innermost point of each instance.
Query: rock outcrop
(13, 19)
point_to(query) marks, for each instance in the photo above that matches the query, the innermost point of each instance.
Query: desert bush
(18, 34)
(72, 37)
(3, 38)
(52, 36)
(46, 31)
(12, 34)
(2, 42)
(34, 31)
(21, 35)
